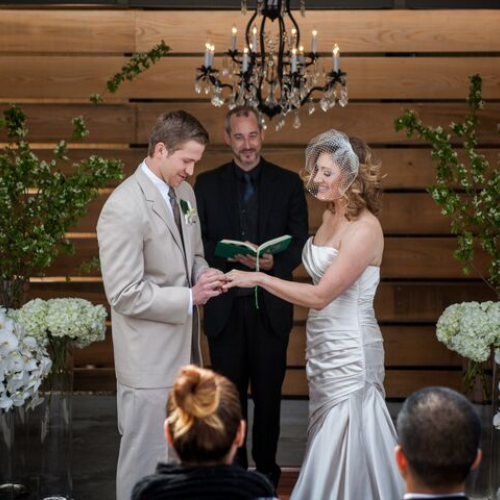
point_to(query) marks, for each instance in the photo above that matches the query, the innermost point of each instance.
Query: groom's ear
(160, 150)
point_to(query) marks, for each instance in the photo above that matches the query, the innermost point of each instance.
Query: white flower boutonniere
(189, 212)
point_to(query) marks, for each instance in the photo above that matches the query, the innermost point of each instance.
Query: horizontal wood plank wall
(52, 59)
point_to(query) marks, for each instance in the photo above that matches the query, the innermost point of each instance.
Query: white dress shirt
(164, 189)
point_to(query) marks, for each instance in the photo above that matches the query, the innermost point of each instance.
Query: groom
(154, 275)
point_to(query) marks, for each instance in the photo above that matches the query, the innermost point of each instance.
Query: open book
(230, 248)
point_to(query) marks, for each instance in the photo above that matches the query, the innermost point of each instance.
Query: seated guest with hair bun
(205, 428)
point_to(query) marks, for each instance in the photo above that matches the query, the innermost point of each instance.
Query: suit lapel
(159, 207)
(188, 252)
(268, 190)
(229, 193)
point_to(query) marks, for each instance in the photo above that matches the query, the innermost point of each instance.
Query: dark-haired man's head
(439, 435)
(244, 134)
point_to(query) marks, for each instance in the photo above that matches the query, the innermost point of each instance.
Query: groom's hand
(208, 285)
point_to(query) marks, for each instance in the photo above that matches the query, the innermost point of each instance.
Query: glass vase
(56, 478)
(14, 476)
(495, 431)
(14, 293)
(483, 482)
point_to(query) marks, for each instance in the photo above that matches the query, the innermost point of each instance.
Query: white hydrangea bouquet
(62, 323)
(473, 330)
(24, 364)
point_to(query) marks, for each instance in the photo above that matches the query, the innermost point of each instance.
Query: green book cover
(230, 248)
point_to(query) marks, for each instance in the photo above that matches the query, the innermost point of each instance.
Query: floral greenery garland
(469, 193)
(38, 202)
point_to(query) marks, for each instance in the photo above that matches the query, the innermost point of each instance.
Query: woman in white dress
(351, 437)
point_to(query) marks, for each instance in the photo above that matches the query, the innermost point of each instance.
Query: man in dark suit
(439, 434)
(250, 199)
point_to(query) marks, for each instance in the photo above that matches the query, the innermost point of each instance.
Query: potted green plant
(467, 187)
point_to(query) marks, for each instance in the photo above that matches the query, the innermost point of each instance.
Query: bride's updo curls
(366, 190)
(204, 414)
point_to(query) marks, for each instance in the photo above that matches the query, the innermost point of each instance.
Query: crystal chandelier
(273, 73)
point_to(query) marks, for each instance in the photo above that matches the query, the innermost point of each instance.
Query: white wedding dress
(351, 437)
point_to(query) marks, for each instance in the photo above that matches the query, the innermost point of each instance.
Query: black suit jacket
(282, 210)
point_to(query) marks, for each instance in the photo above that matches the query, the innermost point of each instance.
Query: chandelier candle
(244, 67)
(206, 61)
(234, 32)
(313, 41)
(294, 60)
(336, 58)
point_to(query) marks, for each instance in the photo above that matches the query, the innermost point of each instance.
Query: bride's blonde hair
(366, 190)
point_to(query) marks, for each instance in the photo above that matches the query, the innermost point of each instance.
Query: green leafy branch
(38, 202)
(468, 192)
(138, 63)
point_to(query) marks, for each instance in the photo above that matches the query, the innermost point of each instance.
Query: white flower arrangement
(75, 320)
(473, 330)
(24, 364)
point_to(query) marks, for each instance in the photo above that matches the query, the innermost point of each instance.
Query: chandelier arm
(258, 88)
(312, 59)
(294, 22)
(337, 77)
(249, 27)
(281, 51)
(210, 74)
(234, 55)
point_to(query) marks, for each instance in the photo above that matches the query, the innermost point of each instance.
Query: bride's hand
(241, 279)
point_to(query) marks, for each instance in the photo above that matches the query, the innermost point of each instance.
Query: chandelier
(273, 73)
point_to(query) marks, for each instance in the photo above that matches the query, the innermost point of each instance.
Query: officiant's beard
(248, 157)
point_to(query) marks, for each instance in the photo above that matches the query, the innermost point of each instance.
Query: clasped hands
(212, 282)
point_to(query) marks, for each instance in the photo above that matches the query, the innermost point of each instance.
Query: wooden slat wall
(52, 59)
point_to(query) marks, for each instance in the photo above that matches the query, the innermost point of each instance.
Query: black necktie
(248, 187)
(175, 209)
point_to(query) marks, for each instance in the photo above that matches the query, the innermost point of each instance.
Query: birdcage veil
(331, 165)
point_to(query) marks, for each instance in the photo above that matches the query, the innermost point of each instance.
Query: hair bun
(196, 395)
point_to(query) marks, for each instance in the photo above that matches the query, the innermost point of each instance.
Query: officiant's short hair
(175, 129)
(439, 433)
(245, 111)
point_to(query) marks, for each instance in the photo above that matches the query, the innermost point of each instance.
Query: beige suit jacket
(147, 276)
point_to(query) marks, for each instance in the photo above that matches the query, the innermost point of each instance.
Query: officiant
(250, 199)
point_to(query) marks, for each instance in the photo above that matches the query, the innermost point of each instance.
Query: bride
(351, 438)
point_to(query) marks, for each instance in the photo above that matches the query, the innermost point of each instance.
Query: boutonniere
(189, 212)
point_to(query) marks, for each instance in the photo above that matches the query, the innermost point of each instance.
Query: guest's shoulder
(257, 483)
(156, 486)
